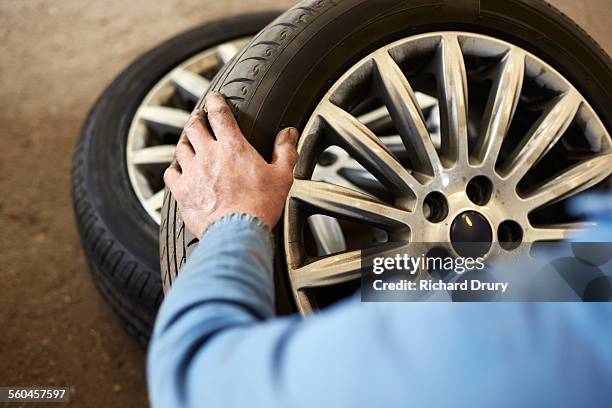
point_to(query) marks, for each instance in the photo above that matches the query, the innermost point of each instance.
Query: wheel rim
(160, 118)
(498, 164)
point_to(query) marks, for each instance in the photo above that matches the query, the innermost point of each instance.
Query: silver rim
(499, 158)
(161, 117)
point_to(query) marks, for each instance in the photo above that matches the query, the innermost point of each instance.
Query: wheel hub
(471, 234)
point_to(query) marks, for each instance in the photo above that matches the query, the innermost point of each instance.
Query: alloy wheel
(515, 140)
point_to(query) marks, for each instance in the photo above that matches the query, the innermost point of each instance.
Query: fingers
(285, 153)
(171, 175)
(221, 118)
(197, 131)
(184, 152)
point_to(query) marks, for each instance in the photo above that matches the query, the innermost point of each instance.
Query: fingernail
(208, 97)
(196, 114)
(216, 94)
(292, 133)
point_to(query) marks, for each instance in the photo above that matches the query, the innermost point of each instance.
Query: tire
(119, 238)
(280, 76)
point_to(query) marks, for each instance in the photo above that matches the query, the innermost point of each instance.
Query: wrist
(240, 220)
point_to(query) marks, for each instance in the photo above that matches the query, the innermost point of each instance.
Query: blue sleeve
(216, 344)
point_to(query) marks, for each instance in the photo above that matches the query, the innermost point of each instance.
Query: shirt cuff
(239, 221)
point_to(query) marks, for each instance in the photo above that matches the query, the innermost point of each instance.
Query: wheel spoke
(342, 202)
(192, 84)
(363, 181)
(171, 118)
(558, 232)
(453, 92)
(345, 165)
(369, 119)
(572, 181)
(327, 234)
(542, 136)
(407, 116)
(156, 200)
(382, 113)
(425, 101)
(161, 154)
(330, 174)
(395, 145)
(336, 268)
(368, 150)
(501, 105)
(329, 270)
(226, 52)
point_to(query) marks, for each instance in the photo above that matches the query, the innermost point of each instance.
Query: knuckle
(189, 129)
(184, 138)
(192, 127)
(182, 146)
(167, 178)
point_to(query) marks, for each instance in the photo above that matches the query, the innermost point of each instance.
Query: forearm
(227, 282)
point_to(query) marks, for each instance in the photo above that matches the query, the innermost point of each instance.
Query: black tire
(280, 76)
(119, 238)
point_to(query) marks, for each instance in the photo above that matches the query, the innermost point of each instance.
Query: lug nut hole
(435, 207)
(479, 190)
(327, 159)
(509, 235)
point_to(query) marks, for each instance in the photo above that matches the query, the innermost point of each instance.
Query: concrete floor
(57, 57)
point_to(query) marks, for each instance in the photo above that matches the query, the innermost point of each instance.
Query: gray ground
(56, 58)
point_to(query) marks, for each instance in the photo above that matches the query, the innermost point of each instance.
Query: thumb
(285, 153)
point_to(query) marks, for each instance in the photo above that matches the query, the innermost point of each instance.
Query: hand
(217, 172)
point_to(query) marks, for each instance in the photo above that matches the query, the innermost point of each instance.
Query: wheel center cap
(471, 234)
